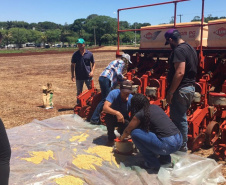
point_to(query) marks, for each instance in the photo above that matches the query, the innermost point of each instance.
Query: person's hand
(169, 97)
(73, 79)
(120, 117)
(91, 74)
(124, 78)
(121, 138)
(132, 82)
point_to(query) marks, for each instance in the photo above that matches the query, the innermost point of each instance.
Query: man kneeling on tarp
(117, 106)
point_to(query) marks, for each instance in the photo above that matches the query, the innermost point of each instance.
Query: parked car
(47, 46)
(30, 45)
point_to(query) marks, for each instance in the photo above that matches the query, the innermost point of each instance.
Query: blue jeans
(181, 101)
(105, 86)
(150, 146)
(79, 84)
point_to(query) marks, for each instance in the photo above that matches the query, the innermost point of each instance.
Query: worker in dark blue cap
(181, 80)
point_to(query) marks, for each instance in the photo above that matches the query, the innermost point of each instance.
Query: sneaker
(94, 122)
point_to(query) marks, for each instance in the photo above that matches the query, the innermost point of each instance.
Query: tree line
(95, 29)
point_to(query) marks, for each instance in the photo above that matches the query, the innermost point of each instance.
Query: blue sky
(66, 11)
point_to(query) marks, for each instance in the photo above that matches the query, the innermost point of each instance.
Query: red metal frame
(170, 2)
(206, 123)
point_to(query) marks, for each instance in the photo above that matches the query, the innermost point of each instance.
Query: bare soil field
(22, 78)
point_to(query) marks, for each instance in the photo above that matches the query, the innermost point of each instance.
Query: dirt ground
(22, 78)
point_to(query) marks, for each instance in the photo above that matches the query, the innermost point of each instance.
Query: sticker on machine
(152, 36)
(220, 32)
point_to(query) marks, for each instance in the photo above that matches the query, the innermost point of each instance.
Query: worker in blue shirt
(108, 80)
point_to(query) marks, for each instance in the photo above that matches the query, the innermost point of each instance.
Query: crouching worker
(153, 133)
(117, 108)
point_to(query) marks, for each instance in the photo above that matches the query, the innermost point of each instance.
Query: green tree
(124, 25)
(34, 36)
(64, 35)
(128, 37)
(19, 36)
(196, 18)
(206, 19)
(107, 39)
(92, 16)
(44, 38)
(7, 37)
(49, 26)
(78, 26)
(53, 36)
(102, 25)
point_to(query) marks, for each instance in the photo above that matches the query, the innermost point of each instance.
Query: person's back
(160, 123)
(152, 132)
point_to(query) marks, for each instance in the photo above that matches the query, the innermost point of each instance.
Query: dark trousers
(111, 123)
(5, 154)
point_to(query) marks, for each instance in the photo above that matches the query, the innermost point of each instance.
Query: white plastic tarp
(66, 150)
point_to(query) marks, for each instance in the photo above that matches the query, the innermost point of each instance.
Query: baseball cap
(127, 57)
(80, 41)
(173, 34)
(126, 86)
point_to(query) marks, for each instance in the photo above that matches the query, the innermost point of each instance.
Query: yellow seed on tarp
(80, 138)
(37, 157)
(87, 162)
(69, 180)
(104, 152)
(75, 150)
(58, 137)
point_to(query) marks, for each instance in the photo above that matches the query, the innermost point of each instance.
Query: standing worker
(82, 67)
(5, 151)
(108, 80)
(181, 81)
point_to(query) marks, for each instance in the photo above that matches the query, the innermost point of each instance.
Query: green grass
(23, 50)
(29, 50)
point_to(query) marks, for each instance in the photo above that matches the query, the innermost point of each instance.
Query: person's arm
(92, 70)
(177, 78)
(107, 108)
(92, 67)
(134, 123)
(119, 71)
(73, 71)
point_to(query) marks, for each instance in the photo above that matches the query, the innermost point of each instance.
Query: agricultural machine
(207, 113)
